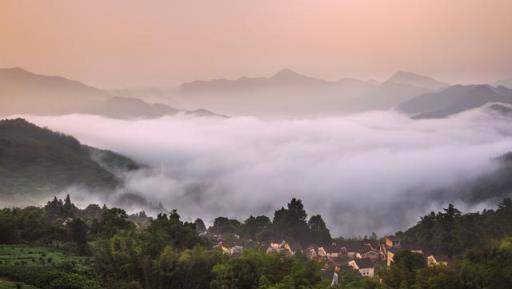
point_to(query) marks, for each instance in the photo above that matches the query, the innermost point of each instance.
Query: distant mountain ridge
(285, 77)
(409, 78)
(24, 92)
(455, 99)
(504, 82)
(284, 93)
(289, 92)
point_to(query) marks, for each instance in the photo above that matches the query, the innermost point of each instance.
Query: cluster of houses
(365, 256)
(361, 255)
(393, 244)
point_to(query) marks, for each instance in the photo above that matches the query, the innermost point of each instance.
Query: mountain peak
(287, 73)
(504, 82)
(15, 70)
(406, 76)
(410, 78)
(455, 99)
(288, 76)
(402, 73)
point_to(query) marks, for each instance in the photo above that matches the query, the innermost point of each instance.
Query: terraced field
(21, 265)
(4, 284)
(20, 255)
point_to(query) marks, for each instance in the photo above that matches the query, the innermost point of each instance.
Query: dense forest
(60, 246)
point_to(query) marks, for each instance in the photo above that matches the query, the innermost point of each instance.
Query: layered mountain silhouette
(288, 92)
(283, 78)
(409, 78)
(36, 161)
(455, 99)
(24, 92)
(284, 93)
(504, 82)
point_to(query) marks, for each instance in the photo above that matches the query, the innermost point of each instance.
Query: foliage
(258, 270)
(319, 234)
(255, 228)
(223, 225)
(35, 160)
(4, 284)
(108, 251)
(200, 226)
(402, 274)
(290, 224)
(40, 267)
(452, 233)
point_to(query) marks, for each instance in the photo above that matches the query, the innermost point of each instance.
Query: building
(357, 249)
(365, 266)
(280, 248)
(407, 247)
(311, 252)
(437, 260)
(392, 241)
(374, 255)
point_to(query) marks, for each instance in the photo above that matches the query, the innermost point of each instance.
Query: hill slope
(24, 92)
(35, 160)
(417, 80)
(454, 99)
(504, 82)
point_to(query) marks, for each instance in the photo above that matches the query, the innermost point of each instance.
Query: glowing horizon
(112, 44)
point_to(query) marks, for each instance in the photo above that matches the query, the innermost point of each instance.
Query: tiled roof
(364, 263)
(357, 247)
(393, 238)
(408, 247)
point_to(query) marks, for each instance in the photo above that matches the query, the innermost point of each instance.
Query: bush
(74, 281)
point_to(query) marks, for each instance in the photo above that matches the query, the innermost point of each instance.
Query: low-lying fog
(363, 173)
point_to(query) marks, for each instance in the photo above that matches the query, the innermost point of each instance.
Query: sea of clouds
(368, 172)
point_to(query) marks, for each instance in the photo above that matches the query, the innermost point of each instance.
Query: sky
(114, 44)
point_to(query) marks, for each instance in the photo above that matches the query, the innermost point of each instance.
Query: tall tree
(254, 226)
(402, 273)
(319, 233)
(78, 231)
(290, 222)
(223, 225)
(200, 226)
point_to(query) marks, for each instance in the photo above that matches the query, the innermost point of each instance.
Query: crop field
(5, 284)
(20, 255)
(36, 265)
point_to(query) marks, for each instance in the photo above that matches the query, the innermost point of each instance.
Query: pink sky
(137, 43)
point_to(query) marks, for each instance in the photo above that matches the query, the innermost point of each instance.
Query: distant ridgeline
(36, 160)
(24, 92)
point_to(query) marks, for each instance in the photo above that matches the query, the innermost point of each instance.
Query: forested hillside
(452, 233)
(60, 246)
(35, 160)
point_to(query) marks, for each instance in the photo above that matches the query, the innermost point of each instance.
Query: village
(364, 256)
